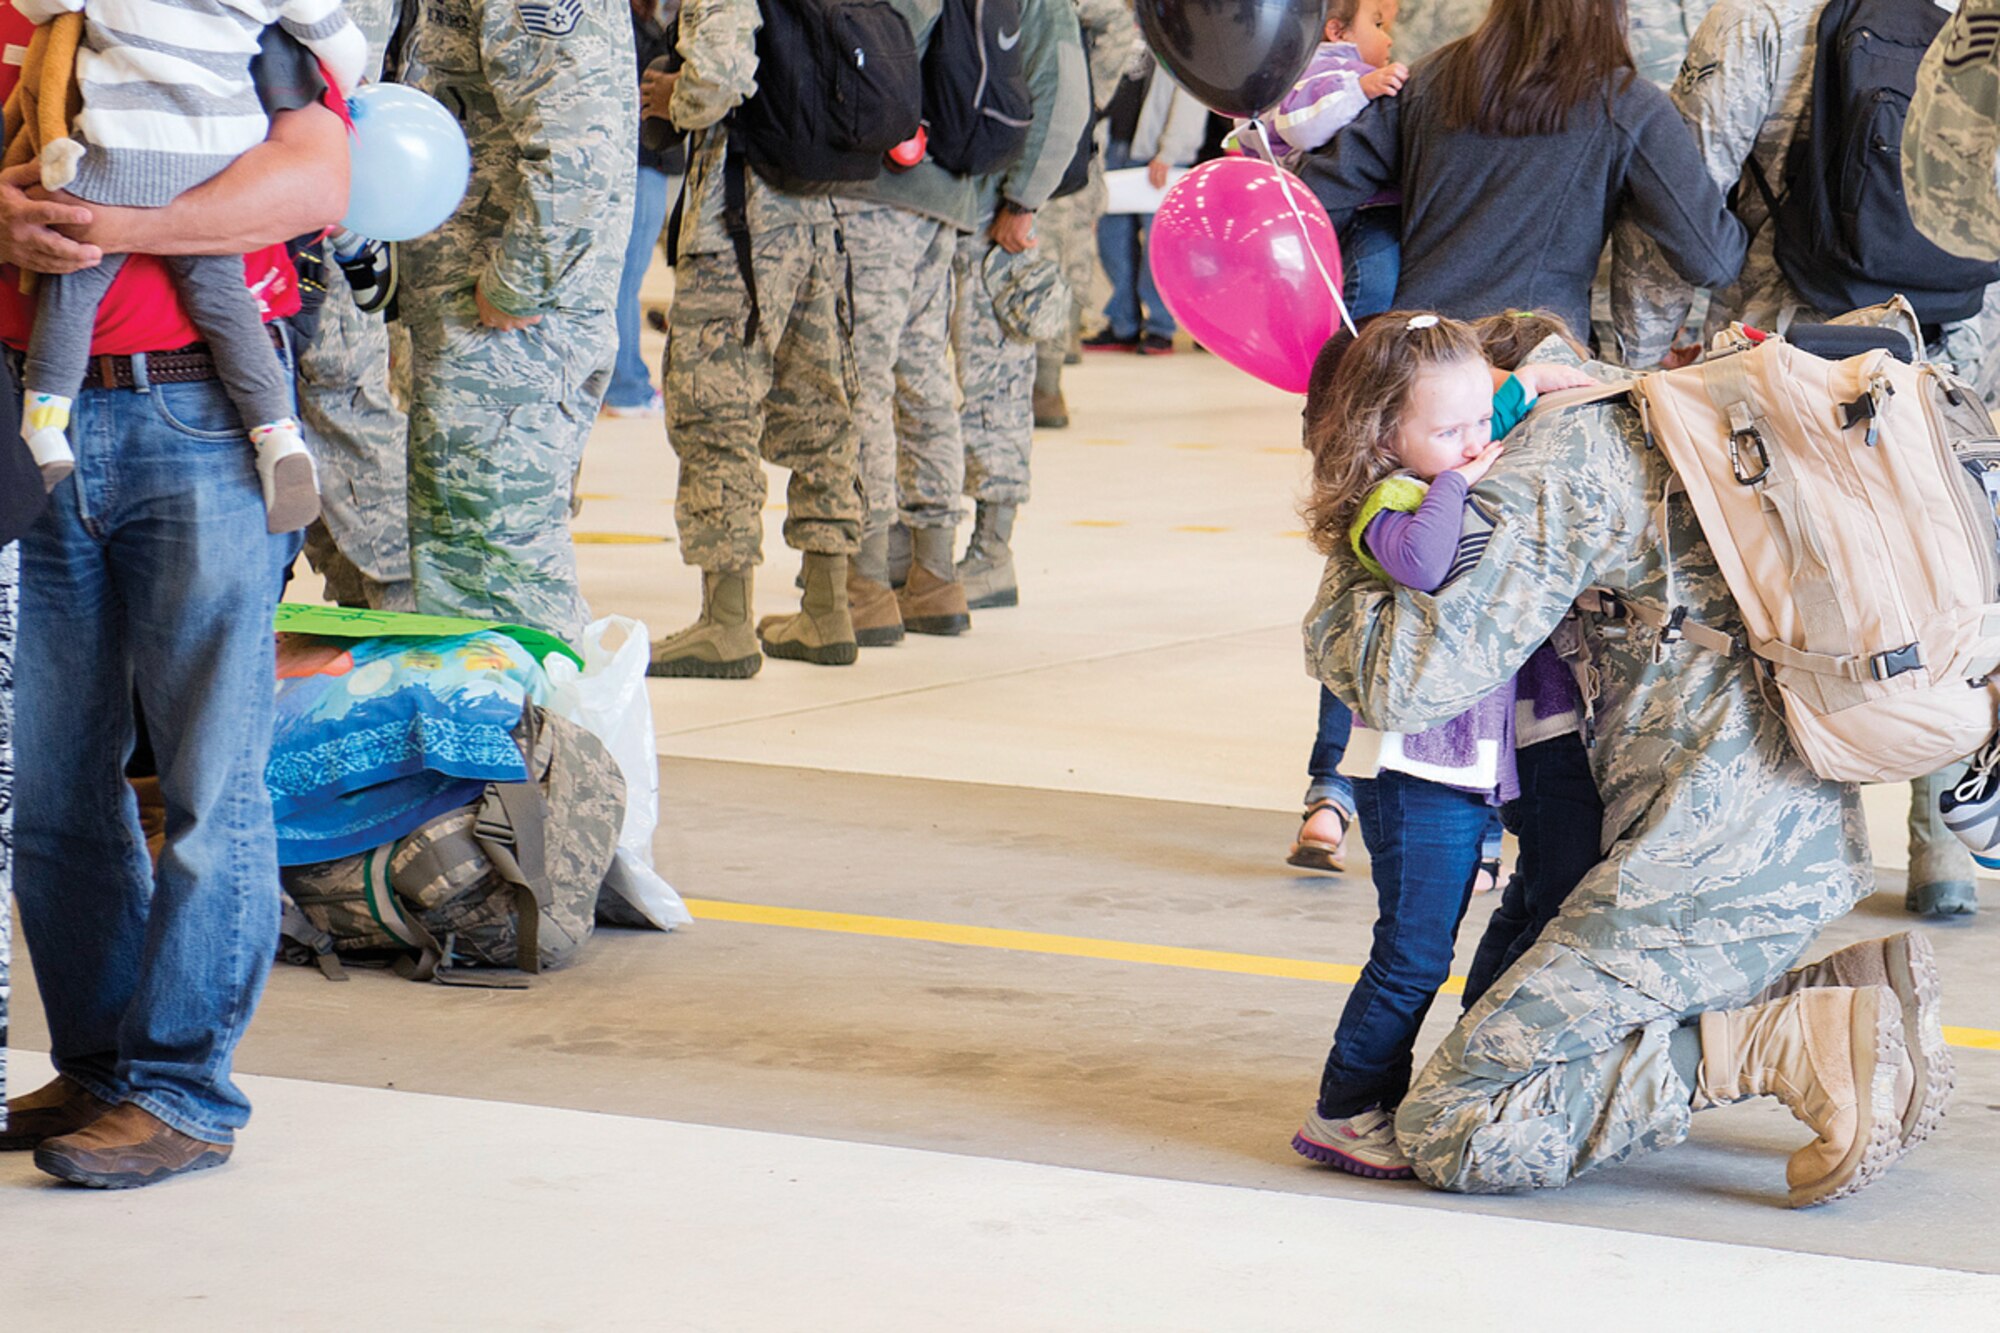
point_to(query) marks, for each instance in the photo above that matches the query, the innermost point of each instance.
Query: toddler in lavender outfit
(1410, 416)
(1351, 69)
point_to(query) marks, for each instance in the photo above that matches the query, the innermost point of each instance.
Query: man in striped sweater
(167, 104)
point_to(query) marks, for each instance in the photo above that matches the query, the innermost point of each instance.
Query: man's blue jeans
(150, 569)
(1423, 844)
(631, 384)
(1128, 264)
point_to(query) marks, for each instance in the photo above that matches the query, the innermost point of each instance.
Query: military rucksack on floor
(508, 882)
(1851, 508)
(976, 99)
(1843, 234)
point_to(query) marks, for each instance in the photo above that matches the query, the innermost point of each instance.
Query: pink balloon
(1243, 254)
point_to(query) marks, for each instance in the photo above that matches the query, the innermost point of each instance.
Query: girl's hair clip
(1422, 322)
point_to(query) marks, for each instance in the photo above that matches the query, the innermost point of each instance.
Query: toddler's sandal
(1315, 853)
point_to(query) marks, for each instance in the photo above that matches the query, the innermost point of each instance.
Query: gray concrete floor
(1120, 1067)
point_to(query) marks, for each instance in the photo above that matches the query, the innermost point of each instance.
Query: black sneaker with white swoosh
(1971, 807)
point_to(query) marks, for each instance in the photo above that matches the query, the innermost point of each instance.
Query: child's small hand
(1386, 81)
(1542, 378)
(1477, 468)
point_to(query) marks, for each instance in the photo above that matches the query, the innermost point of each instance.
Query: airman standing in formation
(996, 370)
(754, 376)
(511, 304)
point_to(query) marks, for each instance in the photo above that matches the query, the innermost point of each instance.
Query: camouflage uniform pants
(785, 396)
(1067, 228)
(360, 439)
(1563, 1066)
(498, 423)
(996, 374)
(906, 407)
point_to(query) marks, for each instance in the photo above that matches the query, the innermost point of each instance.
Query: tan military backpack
(1851, 506)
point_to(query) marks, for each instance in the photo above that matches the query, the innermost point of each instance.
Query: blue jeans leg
(631, 385)
(1158, 320)
(1559, 819)
(150, 568)
(1423, 843)
(1118, 244)
(1372, 254)
(1336, 728)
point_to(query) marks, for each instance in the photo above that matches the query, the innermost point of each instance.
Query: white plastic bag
(607, 698)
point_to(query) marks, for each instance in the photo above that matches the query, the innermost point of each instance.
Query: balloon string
(1263, 141)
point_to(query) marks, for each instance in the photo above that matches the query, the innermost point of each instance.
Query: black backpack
(976, 98)
(838, 85)
(1844, 236)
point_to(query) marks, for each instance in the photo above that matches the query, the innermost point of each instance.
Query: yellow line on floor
(1110, 951)
(618, 538)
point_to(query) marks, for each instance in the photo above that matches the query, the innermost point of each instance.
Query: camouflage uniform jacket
(719, 45)
(1052, 53)
(552, 148)
(1714, 830)
(1951, 143)
(926, 188)
(1117, 48)
(1743, 89)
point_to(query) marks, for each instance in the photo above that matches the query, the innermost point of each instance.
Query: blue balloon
(409, 163)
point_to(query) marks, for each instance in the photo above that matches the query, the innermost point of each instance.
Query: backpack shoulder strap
(736, 222)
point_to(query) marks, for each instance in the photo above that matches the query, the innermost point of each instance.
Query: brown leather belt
(184, 365)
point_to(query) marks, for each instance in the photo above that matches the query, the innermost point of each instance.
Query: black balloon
(1239, 56)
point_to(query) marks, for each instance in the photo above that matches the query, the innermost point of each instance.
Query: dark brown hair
(1530, 63)
(1359, 390)
(1343, 12)
(1509, 337)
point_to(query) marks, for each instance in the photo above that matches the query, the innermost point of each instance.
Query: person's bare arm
(293, 183)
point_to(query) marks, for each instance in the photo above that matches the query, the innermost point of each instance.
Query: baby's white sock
(45, 426)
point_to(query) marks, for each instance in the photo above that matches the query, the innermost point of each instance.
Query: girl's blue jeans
(1423, 842)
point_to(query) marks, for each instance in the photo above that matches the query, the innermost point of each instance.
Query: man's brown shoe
(57, 1108)
(124, 1148)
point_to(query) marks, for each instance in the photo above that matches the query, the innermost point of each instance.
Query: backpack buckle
(1888, 665)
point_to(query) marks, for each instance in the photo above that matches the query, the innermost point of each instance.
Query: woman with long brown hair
(1515, 148)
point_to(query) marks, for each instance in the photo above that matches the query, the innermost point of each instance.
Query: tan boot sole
(1877, 1035)
(825, 654)
(741, 668)
(1913, 975)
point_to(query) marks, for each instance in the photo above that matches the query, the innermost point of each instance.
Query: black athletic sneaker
(1971, 808)
(371, 275)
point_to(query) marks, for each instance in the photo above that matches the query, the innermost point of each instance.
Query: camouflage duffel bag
(508, 882)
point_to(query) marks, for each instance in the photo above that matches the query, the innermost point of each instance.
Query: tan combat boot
(878, 621)
(1832, 1055)
(1906, 966)
(720, 645)
(933, 600)
(823, 630)
(988, 568)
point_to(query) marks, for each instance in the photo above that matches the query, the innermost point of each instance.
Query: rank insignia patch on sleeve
(550, 18)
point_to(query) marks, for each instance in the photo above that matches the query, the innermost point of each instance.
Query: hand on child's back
(1386, 81)
(1545, 377)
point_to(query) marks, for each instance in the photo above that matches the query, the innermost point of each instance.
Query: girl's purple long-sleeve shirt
(1417, 549)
